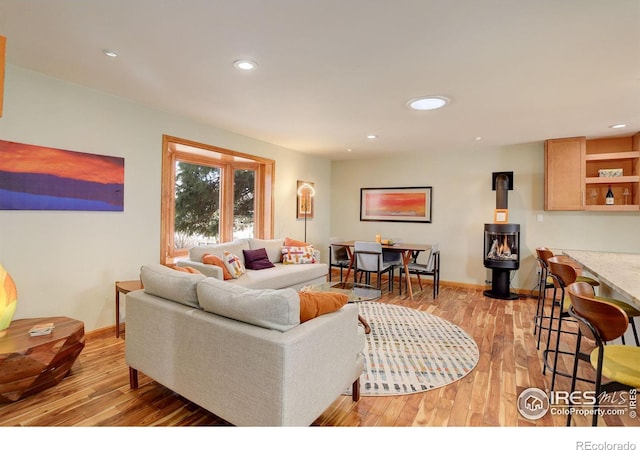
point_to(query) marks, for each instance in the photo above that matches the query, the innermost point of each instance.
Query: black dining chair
(338, 256)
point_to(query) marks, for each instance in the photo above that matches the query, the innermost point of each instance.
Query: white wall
(463, 202)
(65, 263)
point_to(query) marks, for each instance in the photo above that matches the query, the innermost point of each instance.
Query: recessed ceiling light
(618, 125)
(478, 138)
(372, 136)
(244, 64)
(428, 103)
(349, 150)
(110, 53)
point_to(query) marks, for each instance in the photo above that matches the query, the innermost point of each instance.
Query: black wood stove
(501, 243)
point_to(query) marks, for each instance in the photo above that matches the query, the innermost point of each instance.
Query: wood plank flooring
(96, 391)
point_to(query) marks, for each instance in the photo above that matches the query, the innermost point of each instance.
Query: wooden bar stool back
(603, 322)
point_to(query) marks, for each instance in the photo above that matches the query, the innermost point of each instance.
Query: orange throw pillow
(314, 304)
(186, 269)
(208, 258)
(288, 242)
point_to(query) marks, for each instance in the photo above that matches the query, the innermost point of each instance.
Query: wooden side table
(30, 364)
(124, 287)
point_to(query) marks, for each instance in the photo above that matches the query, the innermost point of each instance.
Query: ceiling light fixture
(110, 53)
(618, 125)
(244, 64)
(372, 136)
(427, 103)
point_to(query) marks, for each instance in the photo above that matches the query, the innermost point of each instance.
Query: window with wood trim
(211, 195)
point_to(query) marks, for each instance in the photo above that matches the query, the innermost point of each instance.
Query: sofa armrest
(208, 270)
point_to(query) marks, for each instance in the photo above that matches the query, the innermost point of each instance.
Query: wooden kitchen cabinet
(572, 177)
(564, 174)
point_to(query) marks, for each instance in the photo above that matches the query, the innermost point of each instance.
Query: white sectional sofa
(278, 277)
(241, 353)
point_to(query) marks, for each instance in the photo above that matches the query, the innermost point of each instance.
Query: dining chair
(430, 268)
(602, 322)
(395, 258)
(338, 256)
(368, 260)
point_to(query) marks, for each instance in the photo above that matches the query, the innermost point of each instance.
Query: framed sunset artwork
(43, 178)
(401, 204)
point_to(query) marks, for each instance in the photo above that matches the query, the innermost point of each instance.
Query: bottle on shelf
(609, 197)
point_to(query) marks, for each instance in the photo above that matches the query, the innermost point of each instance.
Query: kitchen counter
(619, 273)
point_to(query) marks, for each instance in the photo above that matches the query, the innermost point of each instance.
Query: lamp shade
(8, 300)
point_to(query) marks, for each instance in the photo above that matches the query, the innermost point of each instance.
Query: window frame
(178, 149)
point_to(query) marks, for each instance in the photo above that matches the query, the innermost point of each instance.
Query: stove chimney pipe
(502, 183)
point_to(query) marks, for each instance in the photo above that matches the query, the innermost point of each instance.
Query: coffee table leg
(117, 311)
(367, 328)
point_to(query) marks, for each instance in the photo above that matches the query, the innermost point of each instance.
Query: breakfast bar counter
(619, 273)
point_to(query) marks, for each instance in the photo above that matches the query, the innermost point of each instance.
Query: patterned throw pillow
(233, 264)
(298, 255)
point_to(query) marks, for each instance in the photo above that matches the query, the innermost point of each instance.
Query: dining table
(406, 251)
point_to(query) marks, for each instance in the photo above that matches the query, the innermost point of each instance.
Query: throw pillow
(288, 242)
(186, 269)
(298, 255)
(257, 259)
(314, 304)
(208, 258)
(233, 264)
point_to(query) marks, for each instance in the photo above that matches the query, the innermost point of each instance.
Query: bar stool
(603, 322)
(545, 282)
(564, 275)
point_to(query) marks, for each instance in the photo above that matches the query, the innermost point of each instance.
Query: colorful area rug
(410, 351)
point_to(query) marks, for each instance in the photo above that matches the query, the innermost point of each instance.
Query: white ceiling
(332, 71)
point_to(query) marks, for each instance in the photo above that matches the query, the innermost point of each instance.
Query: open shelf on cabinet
(612, 208)
(613, 180)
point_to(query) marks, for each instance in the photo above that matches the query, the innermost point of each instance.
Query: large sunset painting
(396, 204)
(43, 178)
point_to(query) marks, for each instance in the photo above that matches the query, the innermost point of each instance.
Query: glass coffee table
(356, 292)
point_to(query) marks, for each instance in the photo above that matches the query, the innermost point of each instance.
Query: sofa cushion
(314, 304)
(282, 276)
(235, 247)
(257, 259)
(272, 246)
(208, 258)
(233, 264)
(288, 242)
(275, 309)
(173, 285)
(298, 255)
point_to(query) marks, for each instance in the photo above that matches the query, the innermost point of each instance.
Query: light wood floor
(96, 391)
